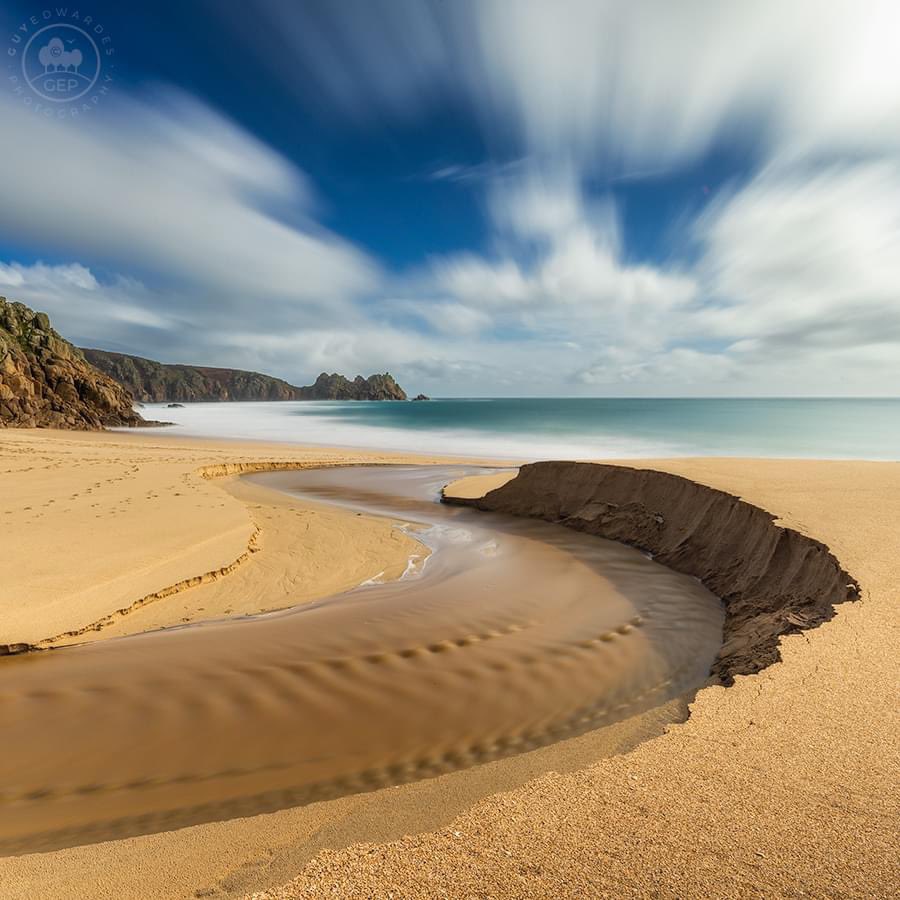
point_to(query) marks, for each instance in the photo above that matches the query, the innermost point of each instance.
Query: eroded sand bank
(780, 784)
(773, 580)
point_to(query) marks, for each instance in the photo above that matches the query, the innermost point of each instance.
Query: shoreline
(465, 426)
(796, 703)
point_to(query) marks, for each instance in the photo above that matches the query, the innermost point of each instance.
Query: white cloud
(601, 82)
(559, 272)
(792, 286)
(801, 259)
(794, 289)
(533, 204)
(659, 82)
(454, 318)
(685, 367)
(83, 309)
(172, 187)
(42, 276)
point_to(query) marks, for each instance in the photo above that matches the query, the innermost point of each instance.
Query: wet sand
(782, 785)
(110, 534)
(779, 785)
(512, 635)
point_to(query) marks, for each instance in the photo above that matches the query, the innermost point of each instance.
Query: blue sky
(485, 197)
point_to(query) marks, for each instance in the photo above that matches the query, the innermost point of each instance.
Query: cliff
(771, 580)
(46, 382)
(154, 382)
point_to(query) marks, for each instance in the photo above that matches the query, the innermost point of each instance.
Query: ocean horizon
(562, 428)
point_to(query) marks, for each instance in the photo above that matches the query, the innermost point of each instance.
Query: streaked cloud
(600, 82)
(798, 261)
(185, 236)
(167, 185)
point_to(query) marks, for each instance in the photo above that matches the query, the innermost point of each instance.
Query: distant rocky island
(336, 387)
(155, 382)
(47, 382)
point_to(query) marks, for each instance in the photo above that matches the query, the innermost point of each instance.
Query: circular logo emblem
(61, 62)
(61, 59)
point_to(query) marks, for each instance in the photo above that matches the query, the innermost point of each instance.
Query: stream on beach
(506, 634)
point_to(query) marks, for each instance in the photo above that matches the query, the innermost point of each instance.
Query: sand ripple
(513, 635)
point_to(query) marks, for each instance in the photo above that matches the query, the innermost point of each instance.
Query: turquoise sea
(567, 428)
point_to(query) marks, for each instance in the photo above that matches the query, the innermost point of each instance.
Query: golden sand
(782, 785)
(104, 532)
(474, 486)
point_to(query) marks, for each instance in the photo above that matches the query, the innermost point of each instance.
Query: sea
(563, 428)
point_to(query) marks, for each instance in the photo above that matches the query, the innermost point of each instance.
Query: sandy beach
(780, 785)
(102, 524)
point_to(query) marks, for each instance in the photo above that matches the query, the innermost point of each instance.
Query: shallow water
(513, 634)
(566, 427)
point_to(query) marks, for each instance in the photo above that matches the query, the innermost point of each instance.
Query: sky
(484, 197)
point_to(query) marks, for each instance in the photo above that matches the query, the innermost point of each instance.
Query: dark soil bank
(772, 580)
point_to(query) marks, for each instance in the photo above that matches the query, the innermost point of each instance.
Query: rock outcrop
(154, 382)
(772, 580)
(45, 382)
(337, 387)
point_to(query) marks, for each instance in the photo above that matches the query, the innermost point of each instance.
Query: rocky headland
(337, 387)
(150, 381)
(155, 382)
(46, 382)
